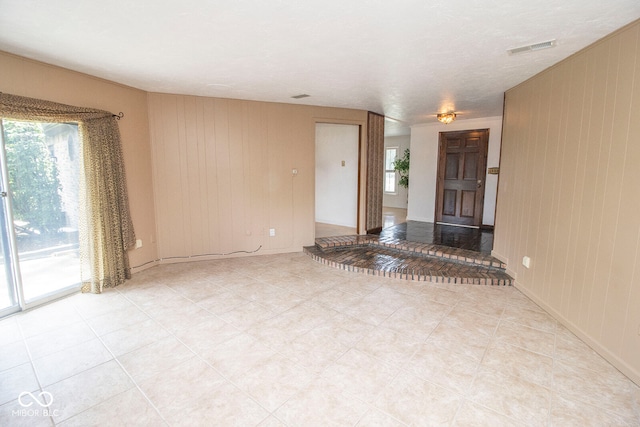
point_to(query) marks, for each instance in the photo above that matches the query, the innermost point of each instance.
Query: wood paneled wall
(223, 173)
(569, 194)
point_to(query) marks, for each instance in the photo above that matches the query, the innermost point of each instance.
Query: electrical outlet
(526, 261)
(272, 232)
(138, 243)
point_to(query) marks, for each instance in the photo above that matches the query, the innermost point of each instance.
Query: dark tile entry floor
(471, 239)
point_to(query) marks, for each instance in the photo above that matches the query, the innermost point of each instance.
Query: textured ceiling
(405, 59)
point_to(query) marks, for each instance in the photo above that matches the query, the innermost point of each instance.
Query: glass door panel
(43, 172)
(8, 297)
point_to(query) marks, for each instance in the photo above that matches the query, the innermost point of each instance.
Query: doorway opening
(39, 217)
(337, 169)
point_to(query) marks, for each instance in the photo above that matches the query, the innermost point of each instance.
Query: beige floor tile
(272, 422)
(418, 319)
(474, 415)
(443, 296)
(281, 300)
(273, 381)
(95, 305)
(70, 361)
(9, 330)
(481, 305)
(13, 414)
(321, 403)
(453, 371)
(181, 317)
(511, 396)
(532, 318)
(16, 380)
(526, 337)
(134, 337)
(221, 303)
(225, 405)
(59, 339)
(360, 374)
(610, 391)
(155, 358)
(129, 408)
(471, 321)
(254, 290)
(336, 299)
(87, 389)
(237, 354)
(13, 354)
(377, 418)
(245, 315)
(391, 346)
(571, 349)
(520, 300)
(206, 334)
(469, 342)
(114, 320)
(414, 354)
(198, 289)
(48, 318)
(153, 297)
(314, 350)
(417, 402)
(345, 329)
(567, 412)
(188, 380)
(518, 362)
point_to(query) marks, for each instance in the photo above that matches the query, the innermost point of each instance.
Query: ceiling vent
(304, 95)
(532, 47)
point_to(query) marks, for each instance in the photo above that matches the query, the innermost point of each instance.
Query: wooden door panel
(449, 205)
(451, 169)
(468, 204)
(462, 163)
(472, 142)
(470, 171)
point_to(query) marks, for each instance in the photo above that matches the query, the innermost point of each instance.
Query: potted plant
(401, 165)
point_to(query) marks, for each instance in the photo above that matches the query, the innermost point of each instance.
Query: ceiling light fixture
(446, 118)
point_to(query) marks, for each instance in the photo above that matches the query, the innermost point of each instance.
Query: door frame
(484, 148)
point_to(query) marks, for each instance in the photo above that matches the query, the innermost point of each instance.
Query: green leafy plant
(33, 177)
(401, 165)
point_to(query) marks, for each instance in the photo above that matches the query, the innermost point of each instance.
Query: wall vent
(532, 47)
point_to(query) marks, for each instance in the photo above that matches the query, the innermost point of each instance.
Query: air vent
(532, 47)
(304, 95)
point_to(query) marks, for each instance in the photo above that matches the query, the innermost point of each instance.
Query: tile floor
(283, 341)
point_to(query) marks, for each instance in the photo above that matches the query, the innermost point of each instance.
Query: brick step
(409, 260)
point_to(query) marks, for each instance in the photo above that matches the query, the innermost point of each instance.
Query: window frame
(387, 171)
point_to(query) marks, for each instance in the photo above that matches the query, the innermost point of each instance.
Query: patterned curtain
(106, 230)
(375, 172)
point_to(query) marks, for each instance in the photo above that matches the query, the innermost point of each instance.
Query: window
(390, 178)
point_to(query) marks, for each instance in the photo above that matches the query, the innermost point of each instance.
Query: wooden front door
(462, 161)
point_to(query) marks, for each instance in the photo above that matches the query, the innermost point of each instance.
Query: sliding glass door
(41, 179)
